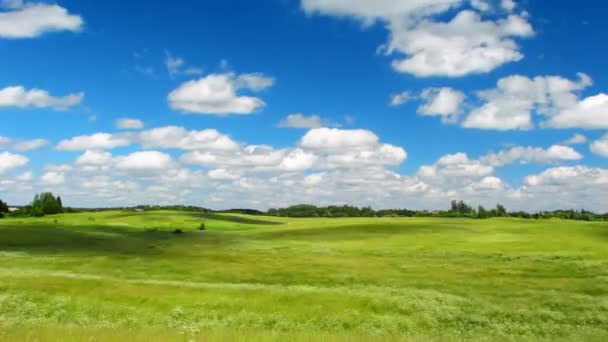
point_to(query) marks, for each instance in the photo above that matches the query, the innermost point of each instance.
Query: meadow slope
(121, 275)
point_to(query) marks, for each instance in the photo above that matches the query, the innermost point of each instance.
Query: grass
(125, 276)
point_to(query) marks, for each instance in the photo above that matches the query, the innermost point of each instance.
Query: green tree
(46, 204)
(482, 212)
(3, 207)
(501, 211)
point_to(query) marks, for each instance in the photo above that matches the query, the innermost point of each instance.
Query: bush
(202, 226)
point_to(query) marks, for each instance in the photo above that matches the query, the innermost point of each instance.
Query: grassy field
(125, 276)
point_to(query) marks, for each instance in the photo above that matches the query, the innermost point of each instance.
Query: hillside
(123, 274)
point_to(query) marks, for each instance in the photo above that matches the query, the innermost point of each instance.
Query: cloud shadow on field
(357, 232)
(100, 240)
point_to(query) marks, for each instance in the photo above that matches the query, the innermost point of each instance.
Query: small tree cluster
(46, 204)
(460, 208)
(3, 207)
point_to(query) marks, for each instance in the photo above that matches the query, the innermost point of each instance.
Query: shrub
(202, 226)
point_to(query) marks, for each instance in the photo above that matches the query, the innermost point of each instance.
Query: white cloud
(576, 139)
(144, 161)
(444, 102)
(334, 138)
(600, 146)
(90, 157)
(327, 166)
(576, 187)
(590, 113)
(53, 177)
(28, 145)
(490, 183)
(524, 155)
(372, 10)
(508, 5)
(126, 123)
(29, 20)
(180, 138)
(25, 177)
(97, 141)
(177, 66)
(298, 120)
(454, 168)
(561, 175)
(222, 174)
(216, 94)
(4, 142)
(481, 5)
(297, 160)
(401, 98)
(510, 106)
(254, 81)
(466, 44)
(18, 96)
(10, 161)
(22, 145)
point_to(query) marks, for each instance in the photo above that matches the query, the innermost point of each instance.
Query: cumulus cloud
(177, 66)
(53, 177)
(508, 5)
(144, 161)
(10, 161)
(97, 141)
(334, 138)
(576, 139)
(28, 145)
(590, 113)
(600, 146)
(567, 187)
(18, 96)
(454, 168)
(511, 105)
(127, 123)
(444, 102)
(400, 98)
(180, 138)
(22, 145)
(320, 148)
(29, 20)
(91, 157)
(467, 44)
(426, 45)
(326, 166)
(298, 120)
(524, 155)
(216, 94)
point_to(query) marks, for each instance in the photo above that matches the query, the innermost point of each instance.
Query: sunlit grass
(125, 275)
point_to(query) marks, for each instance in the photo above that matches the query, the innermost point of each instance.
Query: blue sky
(491, 92)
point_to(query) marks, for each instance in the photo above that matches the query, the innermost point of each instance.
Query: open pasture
(120, 275)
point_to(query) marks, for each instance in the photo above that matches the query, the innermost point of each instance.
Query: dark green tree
(501, 211)
(3, 207)
(46, 204)
(482, 212)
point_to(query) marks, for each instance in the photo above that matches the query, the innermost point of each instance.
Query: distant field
(125, 276)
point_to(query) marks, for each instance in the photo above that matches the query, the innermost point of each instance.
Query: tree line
(43, 204)
(457, 209)
(47, 204)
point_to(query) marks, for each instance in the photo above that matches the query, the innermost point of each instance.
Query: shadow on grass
(210, 216)
(237, 219)
(100, 241)
(356, 232)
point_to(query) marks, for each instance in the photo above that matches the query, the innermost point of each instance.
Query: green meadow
(121, 275)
